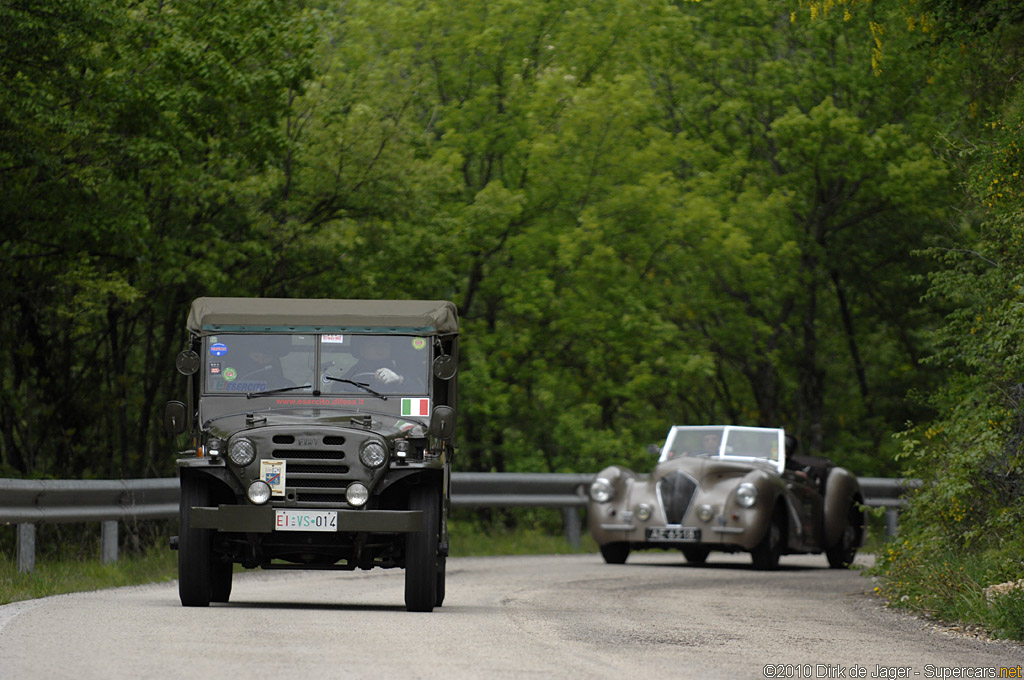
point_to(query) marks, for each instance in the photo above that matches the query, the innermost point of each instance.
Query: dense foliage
(648, 213)
(781, 212)
(961, 532)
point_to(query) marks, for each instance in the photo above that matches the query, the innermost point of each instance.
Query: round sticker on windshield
(218, 349)
(230, 373)
(419, 343)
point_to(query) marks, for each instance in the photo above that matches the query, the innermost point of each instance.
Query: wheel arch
(841, 490)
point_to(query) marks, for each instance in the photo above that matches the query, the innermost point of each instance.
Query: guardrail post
(108, 541)
(571, 520)
(26, 548)
(891, 522)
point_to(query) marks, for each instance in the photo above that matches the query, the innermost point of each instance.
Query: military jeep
(321, 437)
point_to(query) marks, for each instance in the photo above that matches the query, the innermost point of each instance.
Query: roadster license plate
(673, 534)
(305, 520)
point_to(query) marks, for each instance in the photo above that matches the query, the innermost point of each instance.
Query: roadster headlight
(373, 454)
(601, 490)
(241, 452)
(746, 495)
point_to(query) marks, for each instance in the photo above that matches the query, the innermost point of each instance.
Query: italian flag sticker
(415, 407)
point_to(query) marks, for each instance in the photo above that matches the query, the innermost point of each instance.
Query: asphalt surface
(504, 617)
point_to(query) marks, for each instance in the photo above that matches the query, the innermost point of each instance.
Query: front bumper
(260, 519)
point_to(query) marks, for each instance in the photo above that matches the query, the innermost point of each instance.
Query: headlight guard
(241, 452)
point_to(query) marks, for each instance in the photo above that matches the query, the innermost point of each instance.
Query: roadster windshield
(254, 363)
(726, 441)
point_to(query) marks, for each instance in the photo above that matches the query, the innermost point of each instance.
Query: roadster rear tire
(840, 556)
(615, 553)
(765, 554)
(421, 558)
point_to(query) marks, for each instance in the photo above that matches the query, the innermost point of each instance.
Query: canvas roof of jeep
(287, 315)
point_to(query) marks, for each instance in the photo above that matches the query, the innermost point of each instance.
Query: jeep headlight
(258, 492)
(242, 452)
(746, 495)
(357, 494)
(601, 490)
(214, 447)
(373, 454)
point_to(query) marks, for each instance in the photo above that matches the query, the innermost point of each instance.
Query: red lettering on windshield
(321, 401)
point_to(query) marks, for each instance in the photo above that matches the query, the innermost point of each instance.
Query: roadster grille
(676, 492)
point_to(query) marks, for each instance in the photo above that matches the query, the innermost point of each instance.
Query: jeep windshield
(258, 364)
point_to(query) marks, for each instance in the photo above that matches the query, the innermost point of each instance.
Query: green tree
(821, 183)
(961, 531)
(707, 208)
(131, 139)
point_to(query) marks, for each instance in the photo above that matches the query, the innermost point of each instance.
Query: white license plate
(305, 520)
(673, 534)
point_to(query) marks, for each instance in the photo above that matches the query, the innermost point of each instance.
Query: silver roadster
(732, 489)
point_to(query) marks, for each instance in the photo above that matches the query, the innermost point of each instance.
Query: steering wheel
(365, 375)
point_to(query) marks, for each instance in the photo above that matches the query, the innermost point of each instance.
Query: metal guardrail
(886, 492)
(520, 489)
(29, 502)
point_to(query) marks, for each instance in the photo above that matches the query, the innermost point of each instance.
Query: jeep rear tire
(441, 567)
(220, 581)
(421, 558)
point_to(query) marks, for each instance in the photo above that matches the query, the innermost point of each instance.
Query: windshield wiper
(252, 395)
(365, 386)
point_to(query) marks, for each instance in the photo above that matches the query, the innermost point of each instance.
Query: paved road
(504, 617)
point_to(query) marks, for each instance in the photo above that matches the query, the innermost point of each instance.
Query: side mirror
(175, 417)
(445, 367)
(653, 449)
(442, 422)
(187, 362)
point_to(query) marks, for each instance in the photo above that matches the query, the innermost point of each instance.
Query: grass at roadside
(57, 577)
(468, 540)
(950, 585)
(159, 563)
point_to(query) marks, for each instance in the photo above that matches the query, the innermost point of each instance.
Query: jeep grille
(317, 474)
